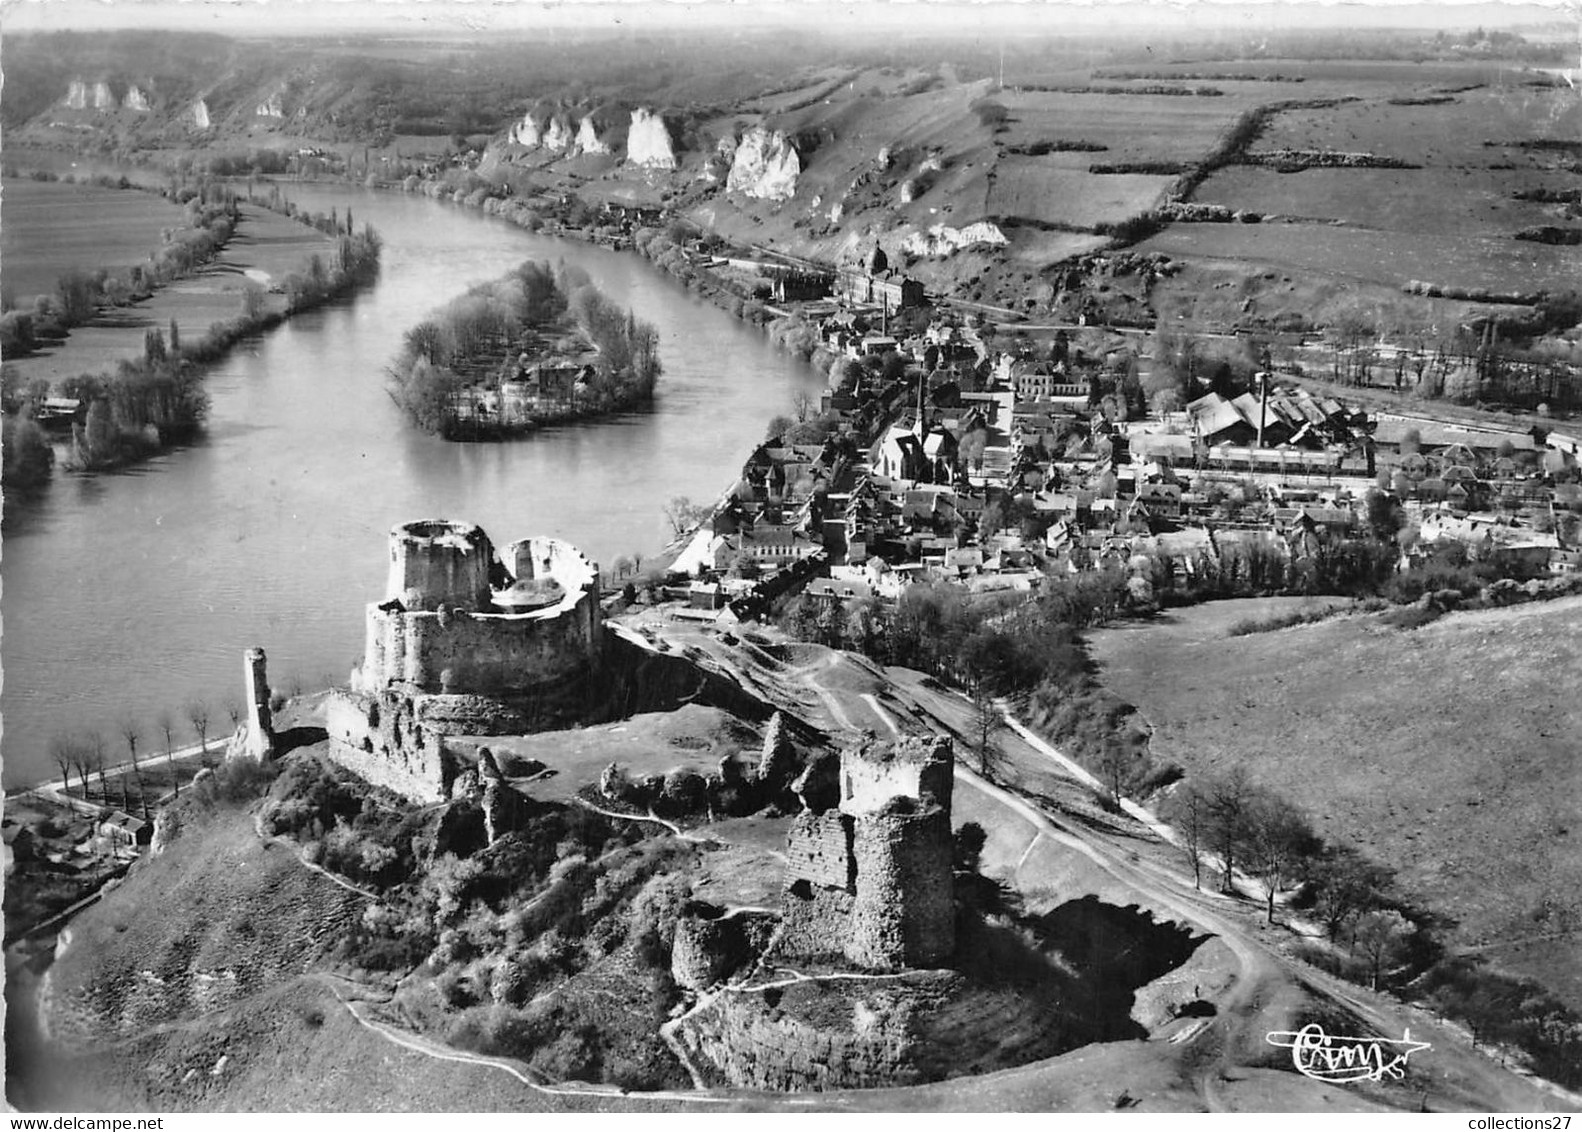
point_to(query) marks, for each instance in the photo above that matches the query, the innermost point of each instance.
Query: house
(1219, 421)
(1161, 499)
(800, 286)
(124, 831)
(836, 590)
(706, 595)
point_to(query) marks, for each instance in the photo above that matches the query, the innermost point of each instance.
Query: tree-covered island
(535, 347)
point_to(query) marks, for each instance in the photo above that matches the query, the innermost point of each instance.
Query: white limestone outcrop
(137, 100)
(557, 135)
(942, 240)
(200, 114)
(102, 98)
(271, 107)
(526, 133)
(588, 139)
(77, 95)
(766, 166)
(648, 141)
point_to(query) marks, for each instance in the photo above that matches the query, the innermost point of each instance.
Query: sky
(243, 17)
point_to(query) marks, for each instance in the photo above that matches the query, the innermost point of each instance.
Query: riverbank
(136, 367)
(64, 840)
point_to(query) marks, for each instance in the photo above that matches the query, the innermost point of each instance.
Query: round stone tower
(434, 562)
(903, 912)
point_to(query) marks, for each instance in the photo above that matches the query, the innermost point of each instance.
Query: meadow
(1441, 134)
(1135, 128)
(266, 248)
(52, 228)
(1389, 258)
(1038, 189)
(1426, 201)
(1445, 752)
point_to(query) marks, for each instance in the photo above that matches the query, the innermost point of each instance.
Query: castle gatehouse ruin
(465, 642)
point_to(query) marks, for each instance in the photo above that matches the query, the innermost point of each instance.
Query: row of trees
(479, 332)
(87, 753)
(79, 294)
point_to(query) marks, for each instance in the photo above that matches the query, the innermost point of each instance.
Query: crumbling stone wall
(711, 945)
(458, 648)
(904, 912)
(439, 628)
(924, 1026)
(872, 879)
(436, 562)
(486, 653)
(382, 739)
(913, 768)
(819, 849)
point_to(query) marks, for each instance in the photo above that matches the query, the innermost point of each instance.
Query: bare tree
(198, 716)
(1189, 811)
(1229, 799)
(1114, 762)
(1345, 885)
(987, 722)
(684, 514)
(93, 758)
(1279, 840)
(60, 751)
(1380, 938)
(129, 733)
(167, 724)
(802, 405)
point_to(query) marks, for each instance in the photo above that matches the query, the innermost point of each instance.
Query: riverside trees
(470, 343)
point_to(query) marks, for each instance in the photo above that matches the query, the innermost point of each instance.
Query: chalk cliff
(648, 141)
(527, 132)
(942, 240)
(588, 139)
(765, 166)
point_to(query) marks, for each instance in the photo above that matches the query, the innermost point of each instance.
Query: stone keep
(870, 878)
(255, 738)
(462, 640)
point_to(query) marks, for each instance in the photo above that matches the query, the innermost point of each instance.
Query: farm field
(266, 248)
(1390, 258)
(1427, 201)
(1324, 77)
(1133, 127)
(1037, 188)
(54, 227)
(1447, 752)
(1448, 134)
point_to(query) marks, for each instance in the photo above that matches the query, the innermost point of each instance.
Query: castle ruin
(465, 642)
(869, 877)
(255, 736)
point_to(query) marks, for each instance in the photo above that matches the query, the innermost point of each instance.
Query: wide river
(132, 593)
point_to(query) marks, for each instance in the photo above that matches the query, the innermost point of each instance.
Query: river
(131, 593)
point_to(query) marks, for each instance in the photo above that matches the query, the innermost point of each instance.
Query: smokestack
(1263, 404)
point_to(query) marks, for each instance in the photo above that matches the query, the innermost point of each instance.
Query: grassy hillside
(1449, 752)
(237, 916)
